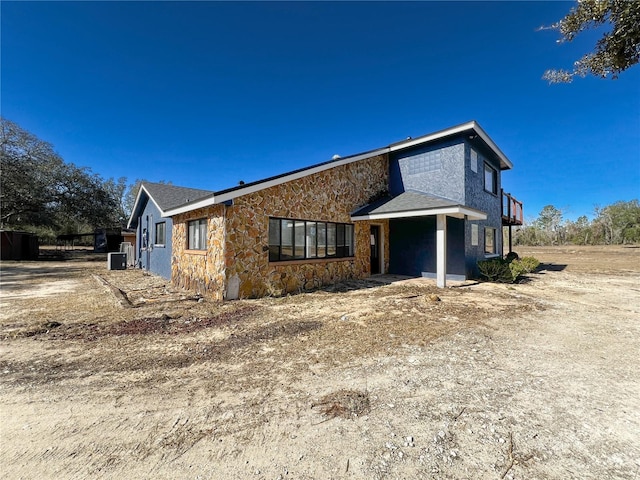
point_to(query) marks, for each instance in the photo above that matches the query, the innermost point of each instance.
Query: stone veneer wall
(238, 234)
(201, 271)
(329, 196)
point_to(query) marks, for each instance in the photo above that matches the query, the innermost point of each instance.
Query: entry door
(148, 240)
(375, 249)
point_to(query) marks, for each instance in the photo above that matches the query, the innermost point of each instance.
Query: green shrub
(507, 270)
(496, 270)
(516, 268)
(529, 264)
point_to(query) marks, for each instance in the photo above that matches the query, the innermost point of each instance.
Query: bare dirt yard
(115, 374)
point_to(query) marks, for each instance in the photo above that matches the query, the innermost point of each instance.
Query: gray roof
(405, 202)
(165, 196)
(170, 196)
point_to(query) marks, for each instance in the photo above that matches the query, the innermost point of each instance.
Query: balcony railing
(511, 210)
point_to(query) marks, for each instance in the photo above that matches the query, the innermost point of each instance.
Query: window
(312, 240)
(322, 239)
(197, 234)
(474, 234)
(331, 239)
(490, 179)
(161, 229)
(274, 238)
(474, 161)
(489, 240)
(301, 239)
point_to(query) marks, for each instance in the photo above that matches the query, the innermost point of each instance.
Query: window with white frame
(161, 234)
(197, 234)
(489, 240)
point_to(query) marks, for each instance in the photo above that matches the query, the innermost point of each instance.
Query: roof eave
(505, 163)
(458, 211)
(226, 195)
(134, 211)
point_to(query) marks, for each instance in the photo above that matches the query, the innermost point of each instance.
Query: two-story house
(430, 206)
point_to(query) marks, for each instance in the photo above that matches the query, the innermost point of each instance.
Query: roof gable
(164, 196)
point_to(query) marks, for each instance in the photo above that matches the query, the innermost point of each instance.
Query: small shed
(19, 245)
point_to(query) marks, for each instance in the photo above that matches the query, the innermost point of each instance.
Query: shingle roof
(405, 202)
(165, 196)
(168, 196)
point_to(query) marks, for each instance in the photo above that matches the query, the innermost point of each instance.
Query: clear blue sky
(205, 94)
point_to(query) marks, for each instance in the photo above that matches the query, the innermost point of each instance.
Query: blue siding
(435, 169)
(477, 197)
(154, 258)
(412, 246)
(443, 169)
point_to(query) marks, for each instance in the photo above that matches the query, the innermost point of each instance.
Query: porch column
(441, 250)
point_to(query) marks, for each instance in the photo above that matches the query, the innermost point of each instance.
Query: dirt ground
(115, 374)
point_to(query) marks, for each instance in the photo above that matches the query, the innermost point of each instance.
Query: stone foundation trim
(283, 263)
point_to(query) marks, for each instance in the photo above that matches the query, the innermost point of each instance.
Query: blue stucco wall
(157, 259)
(443, 169)
(477, 197)
(435, 169)
(412, 246)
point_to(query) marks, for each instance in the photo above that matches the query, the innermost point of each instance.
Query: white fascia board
(295, 176)
(457, 211)
(273, 182)
(494, 147)
(135, 205)
(434, 136)
(162, 213)
(473, 125)
(192, 206)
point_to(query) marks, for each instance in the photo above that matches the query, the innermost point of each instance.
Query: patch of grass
(344, 403)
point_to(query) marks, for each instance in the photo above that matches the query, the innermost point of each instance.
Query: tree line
(615, 224)
(42, 194)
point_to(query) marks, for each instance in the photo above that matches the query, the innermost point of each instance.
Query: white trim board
(458, 212)
(230, 194)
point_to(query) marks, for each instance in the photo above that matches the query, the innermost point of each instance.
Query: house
(430, 206)
(154, 227)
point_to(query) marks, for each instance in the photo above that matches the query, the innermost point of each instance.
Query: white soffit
(459, 212)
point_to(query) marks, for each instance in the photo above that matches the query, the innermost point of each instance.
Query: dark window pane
(340, 250)
(274, 239)
(331, 239)
(311, 240)
(286, 252)
(299, 238)
(322, 240)
(349, 239)
(490, 179)
(160, 233)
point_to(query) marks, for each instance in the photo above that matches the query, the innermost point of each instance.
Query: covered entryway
(426, 234)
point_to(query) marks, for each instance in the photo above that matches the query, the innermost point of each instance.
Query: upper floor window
(197, 234)
(490, 179)
(304, 239)
(161, 233)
